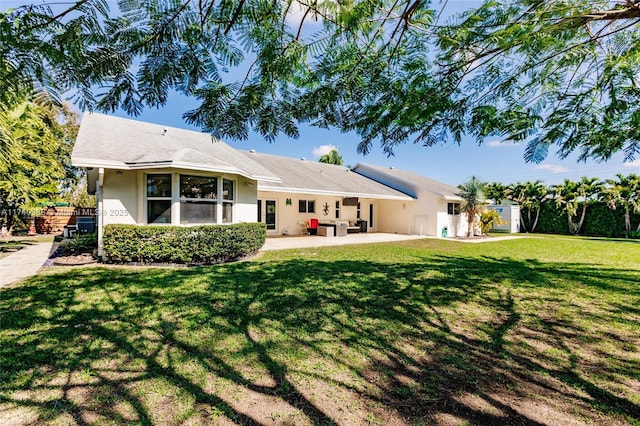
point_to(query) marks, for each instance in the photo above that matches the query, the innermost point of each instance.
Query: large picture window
(159, 198)
(198, 197)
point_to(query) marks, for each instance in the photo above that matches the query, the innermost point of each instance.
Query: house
(434, 205)
(145, 173)
(310, 189)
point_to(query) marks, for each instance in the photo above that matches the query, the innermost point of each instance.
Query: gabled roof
(120, 143)
(407, 182)
(313, 177)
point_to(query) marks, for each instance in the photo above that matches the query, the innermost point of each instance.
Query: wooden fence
(54, 219)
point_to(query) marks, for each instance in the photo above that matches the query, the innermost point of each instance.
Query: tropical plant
(332, 157)
(36, 139)
(495, 191)
(489, 219)
(570, 195)
(623, 192)
(545, 73)
(474, 199)
(530, 196)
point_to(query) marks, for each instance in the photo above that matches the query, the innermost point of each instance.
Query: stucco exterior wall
(426, 215)
(288, 216)
(124, 198)
(120, 197)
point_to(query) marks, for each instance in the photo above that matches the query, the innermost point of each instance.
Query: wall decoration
(288, 201)
(325, 209)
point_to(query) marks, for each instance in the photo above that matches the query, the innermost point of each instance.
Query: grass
(526, 331)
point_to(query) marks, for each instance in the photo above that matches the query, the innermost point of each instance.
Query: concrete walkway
(24, 263)
(280, 243)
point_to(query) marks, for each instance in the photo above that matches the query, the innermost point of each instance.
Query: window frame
(149, 199)
(453, 209)
(227, 201)
(307, 204)
(183, 200)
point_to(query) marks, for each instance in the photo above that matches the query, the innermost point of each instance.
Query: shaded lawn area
(527, 331)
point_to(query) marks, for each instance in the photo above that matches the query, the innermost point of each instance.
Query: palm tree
(624, 192)
(495, 191)
(569, 194)
(530, 196)
(332, 158)
(471, 192)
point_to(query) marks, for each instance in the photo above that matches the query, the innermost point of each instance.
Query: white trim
(266, 188)
(119, 165)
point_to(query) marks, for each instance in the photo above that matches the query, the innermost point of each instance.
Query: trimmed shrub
(202, 244)
(600, 220)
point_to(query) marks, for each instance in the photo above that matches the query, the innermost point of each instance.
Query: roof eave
(117, 165)
(262, 187)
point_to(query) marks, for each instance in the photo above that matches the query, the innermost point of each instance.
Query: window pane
(159, 211)
(198, 187)
(227, 189)
(302, 206)
(449, 208)
(227, 212)
(159, 185)
(311, 206)
(197, 212)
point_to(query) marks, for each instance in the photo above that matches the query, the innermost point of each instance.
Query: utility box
(510, 215)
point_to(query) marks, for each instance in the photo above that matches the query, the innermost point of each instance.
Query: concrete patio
(280, 243)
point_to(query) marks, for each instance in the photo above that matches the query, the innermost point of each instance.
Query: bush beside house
(179, 244)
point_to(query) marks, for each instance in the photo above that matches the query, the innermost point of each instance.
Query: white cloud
(321, 150)
(632, 164)
(499, 144)
(552, 168)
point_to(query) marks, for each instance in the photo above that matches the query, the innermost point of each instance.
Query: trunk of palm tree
(627, 220)
(582, 216)
(471, 218)
(524, 225)
(535, 222)
(572, 226)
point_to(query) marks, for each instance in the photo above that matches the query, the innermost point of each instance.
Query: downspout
(99, 211)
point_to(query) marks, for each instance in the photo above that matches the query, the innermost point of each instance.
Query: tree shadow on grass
(307, 341)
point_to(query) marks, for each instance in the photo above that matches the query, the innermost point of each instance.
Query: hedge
(202, 244)
(599, 221)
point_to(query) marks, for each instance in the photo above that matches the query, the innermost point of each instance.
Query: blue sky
(446, 162)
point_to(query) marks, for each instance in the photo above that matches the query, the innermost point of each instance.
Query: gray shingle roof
(120, 143)
(406, 181)
(313, 177)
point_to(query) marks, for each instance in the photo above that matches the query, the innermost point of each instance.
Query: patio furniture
(325, 231)
(341, 228)
(302, 228)
(312, 228)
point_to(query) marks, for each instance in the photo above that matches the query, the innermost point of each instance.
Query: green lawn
(526, 331)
